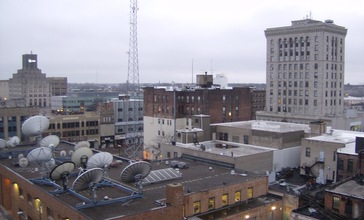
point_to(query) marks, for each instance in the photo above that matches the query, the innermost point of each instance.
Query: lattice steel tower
(134, 133)
(133, 63)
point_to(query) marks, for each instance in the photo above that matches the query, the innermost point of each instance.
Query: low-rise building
(198, 191)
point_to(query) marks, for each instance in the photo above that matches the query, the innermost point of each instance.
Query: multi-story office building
(11, 119)
(33, 85)
(305, 72)
(161, 121)
(128, 115)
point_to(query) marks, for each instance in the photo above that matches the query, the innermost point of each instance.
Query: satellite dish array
(92, 166)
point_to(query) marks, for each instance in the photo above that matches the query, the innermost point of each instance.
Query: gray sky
(88, 40)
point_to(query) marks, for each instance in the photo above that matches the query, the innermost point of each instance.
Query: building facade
(11, 120)
(33, 85)
(128, 115)
(161, 121)
(305, 71)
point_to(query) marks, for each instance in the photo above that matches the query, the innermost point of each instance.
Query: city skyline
(88, 43)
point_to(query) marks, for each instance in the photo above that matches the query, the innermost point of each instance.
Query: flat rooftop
(198, 177)
(279, 127)
(233, 149)
(350, 188)
(338, 136)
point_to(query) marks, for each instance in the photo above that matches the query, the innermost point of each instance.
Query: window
(21, 194)
(308, 152)
(350, 165)
(29, 199)
(237, 196)
(335, 203)
(235, 139)
(197, 207)
(225, 199)
(340, 164)
(246, 139)
(49, 213)
(250, 193)
(211, 204)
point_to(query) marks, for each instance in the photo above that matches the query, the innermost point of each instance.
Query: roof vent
(329, 21)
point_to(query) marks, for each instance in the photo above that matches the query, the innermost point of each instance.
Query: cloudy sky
(88, 40)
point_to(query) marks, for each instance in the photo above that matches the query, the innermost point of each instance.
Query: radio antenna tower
(134, 135)
(133, 63)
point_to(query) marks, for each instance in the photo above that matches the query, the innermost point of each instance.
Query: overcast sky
(88, 40)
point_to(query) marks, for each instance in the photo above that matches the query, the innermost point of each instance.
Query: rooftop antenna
(89, 180)
(192, 71)
(134, 135)
(81, 156)
(135, 172)
(133, 64)
(61, 172)
(211, 66)
(35, 126)
(100, 160)
(41, 156)
(50, 141)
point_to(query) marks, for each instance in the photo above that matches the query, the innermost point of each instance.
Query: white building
(305, 72)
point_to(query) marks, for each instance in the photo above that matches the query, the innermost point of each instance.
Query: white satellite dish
(135, 172)
(82, 144)
(63, 153)
(50, 141)
(13, 141)
(23, 162)
(40, 154)
(100, 160)
(88, 179)
(81, 156)
(35, 126)
(2, 144)
(70, 153)
(20, 156)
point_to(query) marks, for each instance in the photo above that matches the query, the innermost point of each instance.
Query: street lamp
(273, 208)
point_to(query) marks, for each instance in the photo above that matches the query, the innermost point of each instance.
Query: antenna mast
(134, 126)
(133, 63)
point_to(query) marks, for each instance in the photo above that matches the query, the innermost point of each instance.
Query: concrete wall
(289, 157)
(317, 146)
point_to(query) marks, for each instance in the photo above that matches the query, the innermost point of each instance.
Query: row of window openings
(297, 53)
(301, 92)
(78, 133)
(36, 103)
(37, 95)
(301, 102)
(225, 137)
(305, 66)
(180, 99)
(121, 130)
(224, 200)
(306, 84)
(74, 125)
(13, 118)
(130, 119)
(37, 204)
(161, 121)
(306, 39)
(130, 109)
